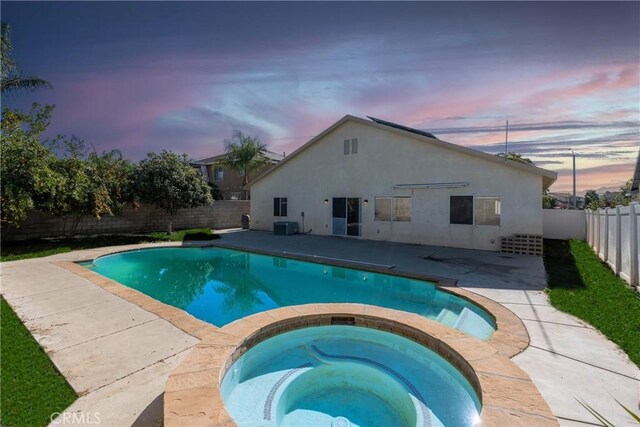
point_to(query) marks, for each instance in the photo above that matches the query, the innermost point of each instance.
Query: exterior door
(346, 216)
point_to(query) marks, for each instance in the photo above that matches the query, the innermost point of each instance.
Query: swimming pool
(219, 285)
(346, 376)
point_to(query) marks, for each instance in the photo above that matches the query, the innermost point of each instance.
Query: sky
(147, 76)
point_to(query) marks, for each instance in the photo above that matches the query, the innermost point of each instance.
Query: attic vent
(351, 146)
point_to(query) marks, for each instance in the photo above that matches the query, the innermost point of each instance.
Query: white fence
(613, 235)
(564, 224)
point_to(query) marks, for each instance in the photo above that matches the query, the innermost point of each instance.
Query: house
(229, 180)
(565, 200)
(377, 180)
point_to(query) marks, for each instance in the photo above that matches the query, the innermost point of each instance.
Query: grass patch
(31, 388)
(582, 285)
(44, 247)
(192, 234)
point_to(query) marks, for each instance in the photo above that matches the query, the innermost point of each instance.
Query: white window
(487, 210)
(382, 209)
(354, 146)
(402, 209)
(392, 208)
(346, 146)
(218, 173)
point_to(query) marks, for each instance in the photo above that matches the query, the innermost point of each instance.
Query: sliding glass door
(346, 216)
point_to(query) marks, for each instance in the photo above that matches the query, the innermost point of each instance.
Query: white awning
(431, 185)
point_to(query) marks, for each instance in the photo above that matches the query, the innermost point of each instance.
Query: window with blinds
(392, 208)
(487, 210)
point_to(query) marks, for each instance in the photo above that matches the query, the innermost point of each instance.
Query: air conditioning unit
(285, 228)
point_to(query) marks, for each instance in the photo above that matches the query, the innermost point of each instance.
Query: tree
(591, 199)
(11, 78)
(92, 185)
(245, 154)
(516, 157)
(623, 197)
(27, 167)
(169, 182)
(548, 202)
(216, 193)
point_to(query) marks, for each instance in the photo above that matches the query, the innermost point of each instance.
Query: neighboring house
(565, 200)
(225, 177)
(381, 181)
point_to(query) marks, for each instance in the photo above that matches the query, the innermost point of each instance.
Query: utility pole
(575, 201)
(506, 139)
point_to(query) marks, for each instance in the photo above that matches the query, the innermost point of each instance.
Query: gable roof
(548, 177)
(274, 157)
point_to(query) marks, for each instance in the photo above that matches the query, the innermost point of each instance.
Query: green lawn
(45, 247)
(31, 388)
(582, 285)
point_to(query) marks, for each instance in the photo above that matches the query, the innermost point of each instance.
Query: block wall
(221, 214)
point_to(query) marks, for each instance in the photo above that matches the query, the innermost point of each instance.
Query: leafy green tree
(169, 182)
(93, 184)
(516, 157)
(27, 169)
(216, 193)
(11, 78)
(245, 154)
(548, 202)
(623, 197)
(591, 199)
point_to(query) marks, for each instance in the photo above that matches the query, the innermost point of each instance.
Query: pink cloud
(610, 175)
(601, 83)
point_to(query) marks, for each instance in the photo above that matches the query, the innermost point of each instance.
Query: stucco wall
(384, 159)
(222, 214)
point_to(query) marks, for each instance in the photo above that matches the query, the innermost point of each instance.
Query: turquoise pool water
(346, 376)
(222, 285)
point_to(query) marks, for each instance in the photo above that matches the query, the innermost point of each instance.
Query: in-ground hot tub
(346, 376)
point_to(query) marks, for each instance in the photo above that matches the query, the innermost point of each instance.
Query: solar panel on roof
(405, 128)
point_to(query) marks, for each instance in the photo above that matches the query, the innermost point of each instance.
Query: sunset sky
(146, 76)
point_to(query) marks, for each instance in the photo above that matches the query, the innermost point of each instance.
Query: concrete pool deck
(119, 356)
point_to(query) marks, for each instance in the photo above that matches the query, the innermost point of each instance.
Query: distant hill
(612, 189)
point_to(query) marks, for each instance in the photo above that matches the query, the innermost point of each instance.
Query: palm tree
(245, 154)
(11, 78)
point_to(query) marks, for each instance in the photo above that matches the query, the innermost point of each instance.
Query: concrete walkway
(118, 356)
(115, 355)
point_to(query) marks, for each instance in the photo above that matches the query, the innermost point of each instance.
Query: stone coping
(193, 396)
(179, 318)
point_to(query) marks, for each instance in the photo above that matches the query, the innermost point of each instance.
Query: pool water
(346, 376)
(220, 285)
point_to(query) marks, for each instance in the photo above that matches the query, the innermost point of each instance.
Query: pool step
(447, 317)
(471, 323)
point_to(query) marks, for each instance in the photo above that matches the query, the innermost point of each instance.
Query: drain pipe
(304, 232)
